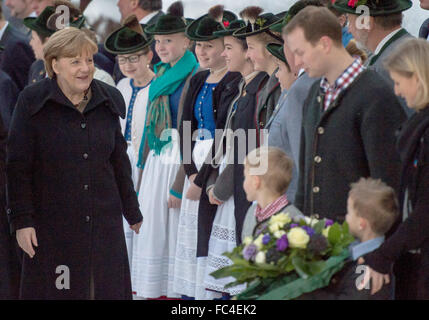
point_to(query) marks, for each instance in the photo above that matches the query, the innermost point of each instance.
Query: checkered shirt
(342, 82)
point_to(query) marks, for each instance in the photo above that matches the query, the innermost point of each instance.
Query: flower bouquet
(288, 258)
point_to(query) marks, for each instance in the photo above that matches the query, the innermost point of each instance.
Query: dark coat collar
(254, 85)
(52, 92)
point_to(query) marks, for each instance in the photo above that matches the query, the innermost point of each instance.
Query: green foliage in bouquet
(288, 258)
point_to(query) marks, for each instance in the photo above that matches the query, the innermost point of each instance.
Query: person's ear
(134, 4)
(256, 181)
(149, 56)
(54, 64)
(326, 44)
(363, 223)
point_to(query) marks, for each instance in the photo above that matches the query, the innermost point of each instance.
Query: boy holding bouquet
(267, 175)
(372, 208)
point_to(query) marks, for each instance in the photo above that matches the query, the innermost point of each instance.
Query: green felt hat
(170, 23)
(256, 22)
(230, 28)
(39, 24)
(129, 38)
(204, 28)
(45, 23)
(293, 10)
(277, 51)
(376, 7)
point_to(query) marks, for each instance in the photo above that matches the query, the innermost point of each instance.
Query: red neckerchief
(276, 206)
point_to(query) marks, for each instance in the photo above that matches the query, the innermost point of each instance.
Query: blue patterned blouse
(136, 90)
(203, 111)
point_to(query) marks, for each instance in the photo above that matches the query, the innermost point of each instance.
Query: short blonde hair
(376, 202)
(411, 57)
(279, 170)
(67, 43)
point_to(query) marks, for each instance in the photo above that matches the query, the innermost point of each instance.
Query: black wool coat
(353, 138)
(9, 264)
(69, 177)
(412, 233)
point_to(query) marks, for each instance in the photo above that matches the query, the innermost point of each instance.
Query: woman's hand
(212, 198)
(136, 227)
(194, 192)
(378, 279)
(174, 202)
(26, 238)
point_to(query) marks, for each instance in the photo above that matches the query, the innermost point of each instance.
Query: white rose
(325, 231)
(298, 238)
(258, 241)
(274, 228)
(311, 221)
(279, 234)
(281, 219)
(247, 240)
(260, 257)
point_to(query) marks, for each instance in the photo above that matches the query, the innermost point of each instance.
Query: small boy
(267, 175)
(372, 208)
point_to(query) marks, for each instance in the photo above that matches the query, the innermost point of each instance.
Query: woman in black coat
(409, 68)
(69, 179)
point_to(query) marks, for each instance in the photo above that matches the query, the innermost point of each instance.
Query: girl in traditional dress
(217, 231)
(159, 158)
(132, 47)
(200, 114)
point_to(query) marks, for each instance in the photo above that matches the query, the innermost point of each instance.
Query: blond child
(267, 175)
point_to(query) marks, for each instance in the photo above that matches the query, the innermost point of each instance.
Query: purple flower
(328, 222)
(249, 252)
(310, 231)
(282, 243)
(266, 239)
(294, 225)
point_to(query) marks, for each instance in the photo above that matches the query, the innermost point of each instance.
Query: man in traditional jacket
(424, 29)
(384, 31)
(346, 133)
(17, 56)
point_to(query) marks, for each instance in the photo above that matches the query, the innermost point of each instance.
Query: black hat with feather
(257, 22)
(170, 23)
(205, 27)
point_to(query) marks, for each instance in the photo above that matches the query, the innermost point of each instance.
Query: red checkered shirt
(342, 82)
(276, 206)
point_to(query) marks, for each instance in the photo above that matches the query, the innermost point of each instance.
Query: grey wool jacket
(284, 127)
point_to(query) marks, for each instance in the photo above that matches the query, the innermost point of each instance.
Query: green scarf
(158, 117)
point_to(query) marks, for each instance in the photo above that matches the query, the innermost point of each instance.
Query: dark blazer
(8, 95)
(343, 286)
(188, 115)
(104, 63)
(69, 177)
(413, 147)
(352, 139)
(9, 264)
(424, 29)
(231, 178)
(17, 56)
(267, 101)
(37, 72)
